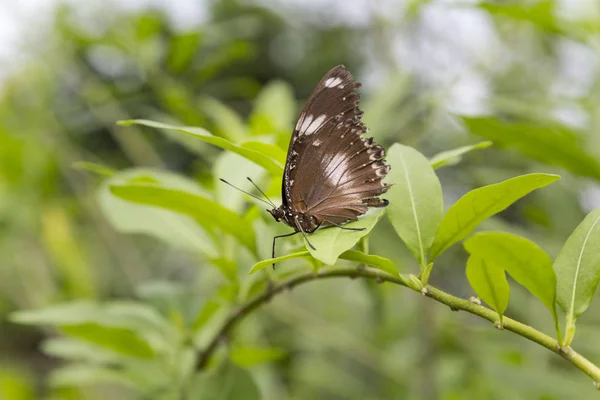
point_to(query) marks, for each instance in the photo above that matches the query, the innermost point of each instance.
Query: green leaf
(274, 151)
(381, 108)
(95, 168)
(228, 122)
(120, 340)
(551, 144)
(248, 356)
(261, 159)
(173, 228)
(118, 314)
(524, 260)
(228, 382)
(209, 310)
(182, 48)
(77, 350)
(17, 383)
(208, 213)
(266, 263)
(578, 267)
(227, 166)
(82, 375)
(482, 203)
(489, 282)
(62, 314)
(274, 109)
(540, 13)
(331, 242)
(416, 205)
(454, 156)
(377, 262)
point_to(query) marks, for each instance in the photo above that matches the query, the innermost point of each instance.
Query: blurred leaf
(540, 12)
(208, 311)
(453, 157)
(524, 260)
(489, 282)
(148, 25)
(228, 267)
(227, 121)
(208, 213)
(222, 56)
(62, 314)
(578, 268)
(265, 263)
(117, 314)
(171, 227)
(120, 340)
(182, 49)
(550, 144)
(16, 384)
(228, 382)
(95, 168)
(416, 204)
(248, 356)
(266, 148)
(381, 108)
(274, 109)
(331, 242)
(374, 261)
(62, 245)
(235, 169)
(264, 160)
(480, 204)
(81, 375)
(77, 350)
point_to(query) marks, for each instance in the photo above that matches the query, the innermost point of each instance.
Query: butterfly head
(277, 213)
(283, 213)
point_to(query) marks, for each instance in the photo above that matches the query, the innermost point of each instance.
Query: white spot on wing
(332, 82)
(314, 125)
(317, 142)
(300, 121)
(336, 168)
(305, 123)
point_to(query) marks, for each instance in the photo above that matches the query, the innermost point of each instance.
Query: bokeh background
(69, 70)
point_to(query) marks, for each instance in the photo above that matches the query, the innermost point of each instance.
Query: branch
(438, 295)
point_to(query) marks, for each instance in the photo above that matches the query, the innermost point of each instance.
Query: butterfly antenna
(263, 193)
(249, 194)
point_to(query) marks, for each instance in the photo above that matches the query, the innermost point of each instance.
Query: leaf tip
(255, 267)
(125, 122)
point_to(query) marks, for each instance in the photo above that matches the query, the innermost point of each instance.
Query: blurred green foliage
(131, 290)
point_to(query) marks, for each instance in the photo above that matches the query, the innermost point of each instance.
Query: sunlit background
(69, 70)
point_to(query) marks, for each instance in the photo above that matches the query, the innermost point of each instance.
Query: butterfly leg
(277, 237)
(303, 233)
(347, 229)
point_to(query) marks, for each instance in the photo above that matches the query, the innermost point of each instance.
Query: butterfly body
(332, 174)
(295, 219)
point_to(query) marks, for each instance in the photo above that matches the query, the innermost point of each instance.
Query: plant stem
(455, 304)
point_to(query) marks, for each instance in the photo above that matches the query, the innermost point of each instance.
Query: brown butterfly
(332, 173)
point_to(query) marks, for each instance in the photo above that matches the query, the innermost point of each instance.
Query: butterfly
(332, 173)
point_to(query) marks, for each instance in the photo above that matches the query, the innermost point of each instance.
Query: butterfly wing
(332, 172)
